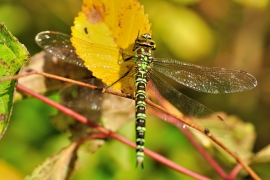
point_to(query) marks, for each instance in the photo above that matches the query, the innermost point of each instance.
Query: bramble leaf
(13, 55)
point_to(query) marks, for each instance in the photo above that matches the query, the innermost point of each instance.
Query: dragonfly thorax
(144, 40)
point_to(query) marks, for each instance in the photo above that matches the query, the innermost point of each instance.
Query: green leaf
(13, 55)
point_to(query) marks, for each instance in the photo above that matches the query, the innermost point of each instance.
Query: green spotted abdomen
(143, 60)
(140, 115)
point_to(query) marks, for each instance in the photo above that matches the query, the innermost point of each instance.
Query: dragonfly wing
(85, 99)
(59, 45)
(106, 62)
(205, 79)
(197, 113)
(95, 105)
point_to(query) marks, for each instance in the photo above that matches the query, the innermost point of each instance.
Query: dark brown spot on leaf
(220, 118)
(29, 70)
(85, 30)
(2, 116)
(206, 131)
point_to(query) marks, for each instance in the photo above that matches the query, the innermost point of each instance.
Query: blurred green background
(230, 34)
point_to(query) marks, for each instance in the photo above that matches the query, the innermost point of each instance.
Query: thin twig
(109, 133)
(235, 171)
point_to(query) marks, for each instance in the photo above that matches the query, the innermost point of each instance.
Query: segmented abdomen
(143, 60)
(140, 83)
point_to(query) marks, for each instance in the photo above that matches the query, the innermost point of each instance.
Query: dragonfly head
(144, 40)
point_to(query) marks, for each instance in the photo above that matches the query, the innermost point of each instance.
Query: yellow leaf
(103, 31)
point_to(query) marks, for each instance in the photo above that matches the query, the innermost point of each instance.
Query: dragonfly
(148, 71)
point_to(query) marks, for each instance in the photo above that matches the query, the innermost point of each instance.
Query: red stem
(235, 171)
(187, 133)
(108, 133)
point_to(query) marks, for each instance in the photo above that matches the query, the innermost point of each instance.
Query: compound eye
(146, 36)
(153, 44)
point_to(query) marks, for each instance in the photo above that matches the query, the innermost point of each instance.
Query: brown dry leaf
(58, 167)
(239, 139)
(45, 62)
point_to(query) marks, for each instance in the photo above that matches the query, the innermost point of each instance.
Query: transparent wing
(205, 79)
(59, 45)
(97, 106)
(197, 113)
(96, 57)
(86, 101)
